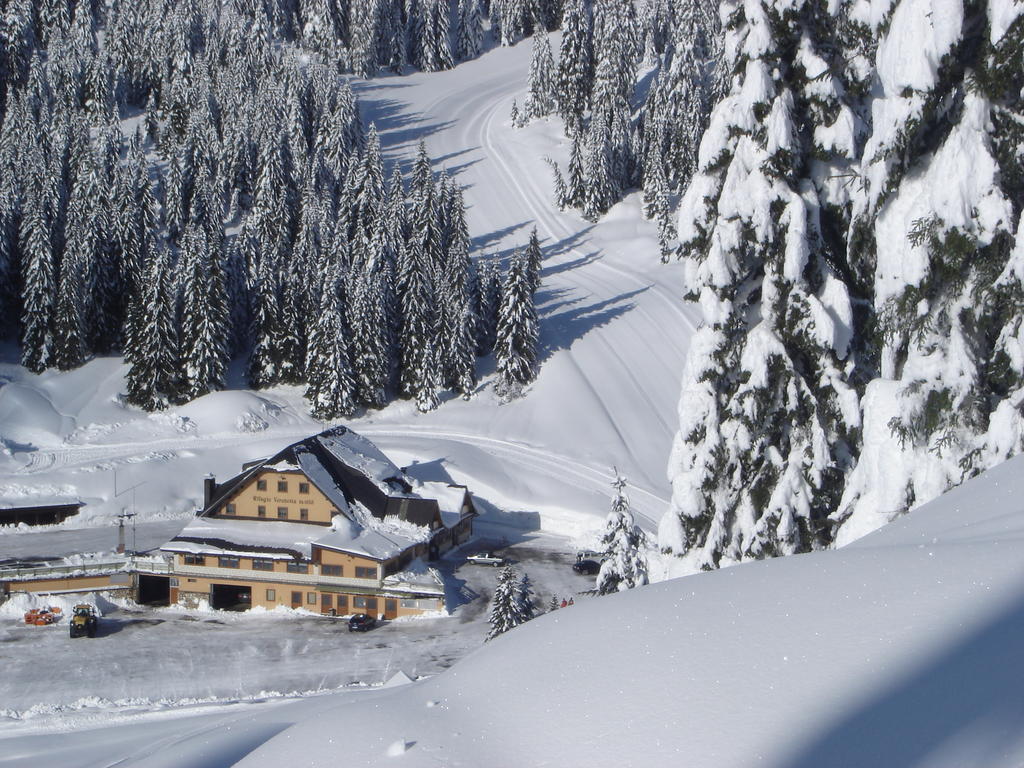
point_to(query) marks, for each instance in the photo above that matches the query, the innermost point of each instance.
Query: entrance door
(390, 608)
(296, 599)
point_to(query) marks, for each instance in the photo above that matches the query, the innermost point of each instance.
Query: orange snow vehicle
(43, 616)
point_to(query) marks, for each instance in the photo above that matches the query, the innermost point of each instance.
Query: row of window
(328, 602)
(282, 486)
(291, 566)
(261, 511)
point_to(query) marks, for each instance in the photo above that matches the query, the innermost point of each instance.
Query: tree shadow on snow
(482, 242)
(968, 696)
(560, 330)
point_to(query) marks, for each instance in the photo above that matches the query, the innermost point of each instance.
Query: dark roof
(327, 459)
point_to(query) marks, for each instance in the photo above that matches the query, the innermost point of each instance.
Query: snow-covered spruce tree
(488, 296)
(624, 545)
(540, 102)
(769, 424)
(418, 374)
(516, 344)
(575, 65)
(470, 30)
(534, 256)
(331, 387)
(204, 317)
(510, 605)
(525, 598)
(152, 371)
(456, 310)
(39, 273)
(937, 228)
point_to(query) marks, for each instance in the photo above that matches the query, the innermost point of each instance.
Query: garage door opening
(230, 597)
(154, 590)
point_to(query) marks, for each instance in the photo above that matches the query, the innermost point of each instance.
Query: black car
(587, 567)
(361, 622)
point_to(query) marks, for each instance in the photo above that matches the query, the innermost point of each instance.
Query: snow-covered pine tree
(488, 296)
(470, 30)
(331, 387)
(39, 272)
(534, 256)
(371, 338)
(575, 65)
(507, 607)
(418, 373)
(516, 344)
(768, 418)
(624, 545)
(527, 605)
(936, 230)
(540, 102)
(204, 317)
(457, 334)
(153, 368)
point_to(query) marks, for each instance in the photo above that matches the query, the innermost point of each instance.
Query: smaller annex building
(329, 524)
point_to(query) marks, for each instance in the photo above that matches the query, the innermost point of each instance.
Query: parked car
(587, 567)
(486, 558)
(361, 622)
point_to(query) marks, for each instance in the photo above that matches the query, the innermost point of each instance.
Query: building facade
(329, 524)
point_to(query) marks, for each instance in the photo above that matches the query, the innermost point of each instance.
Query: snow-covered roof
(377, 539)
(417, 578)
(449, 500)
(263, 538)
(358, 453)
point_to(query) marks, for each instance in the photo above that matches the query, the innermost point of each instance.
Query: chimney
(209, 490)
(120, 536)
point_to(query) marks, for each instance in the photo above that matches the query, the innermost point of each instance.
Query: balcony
(279, 577)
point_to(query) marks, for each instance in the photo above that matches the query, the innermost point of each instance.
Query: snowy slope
(613, 337)
(900, 650)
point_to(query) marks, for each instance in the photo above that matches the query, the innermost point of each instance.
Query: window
(409, 604)
(261, 485)
(311, 598)
(229, 509)
(303, 487)
(282, 486)
(366, 603)
(262, 565)
(295, 566)
(261, 511)
(366, 573)
(282, 513)
(331, 570)
(272, 595)
(303, 514)
(195, 560)
(227, 562)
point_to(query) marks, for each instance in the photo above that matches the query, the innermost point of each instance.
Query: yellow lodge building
(329, 524)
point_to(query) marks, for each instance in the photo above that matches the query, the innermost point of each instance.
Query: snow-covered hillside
(900, 650)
